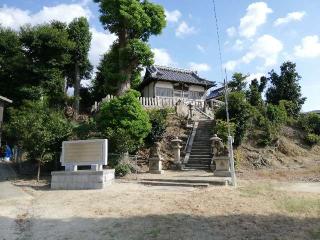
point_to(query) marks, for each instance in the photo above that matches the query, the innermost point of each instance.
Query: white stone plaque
(84, 152)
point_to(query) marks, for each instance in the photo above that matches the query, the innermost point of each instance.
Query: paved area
(7, 189)
(6, 172)
(10, 191)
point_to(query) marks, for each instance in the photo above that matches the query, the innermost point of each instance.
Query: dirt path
(132, 211)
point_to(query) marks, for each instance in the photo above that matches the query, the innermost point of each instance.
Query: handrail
(190, 143)
(205, 114)
(187, 143)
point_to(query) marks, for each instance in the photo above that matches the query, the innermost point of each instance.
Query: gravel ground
(255, 210)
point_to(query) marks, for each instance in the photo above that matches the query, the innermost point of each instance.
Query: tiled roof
(174, 75)
(4, 99)
(216, 93)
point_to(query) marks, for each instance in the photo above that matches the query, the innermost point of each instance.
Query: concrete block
(85, 179)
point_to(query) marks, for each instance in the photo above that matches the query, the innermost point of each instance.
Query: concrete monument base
(84, 179)
(155, 166)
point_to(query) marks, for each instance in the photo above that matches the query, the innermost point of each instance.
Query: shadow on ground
(166, 227)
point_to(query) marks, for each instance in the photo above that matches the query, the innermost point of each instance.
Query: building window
(164, 92)
(195, 95)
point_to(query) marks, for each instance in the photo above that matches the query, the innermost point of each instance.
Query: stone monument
(93, 153)
(155, 159)
(182, 110)
(220, 156)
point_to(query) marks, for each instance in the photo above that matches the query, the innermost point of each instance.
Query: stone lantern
(177, 146)
(191, 109)
(220, 156)
(155, 160)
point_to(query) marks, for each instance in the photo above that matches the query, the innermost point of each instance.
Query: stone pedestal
(176, 148)
(155, 160)
(155, 166)
(222, 167)
(84, 179)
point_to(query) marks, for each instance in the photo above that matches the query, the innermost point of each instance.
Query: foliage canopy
(133, 22)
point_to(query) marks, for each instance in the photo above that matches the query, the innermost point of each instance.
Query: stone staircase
(200, 156)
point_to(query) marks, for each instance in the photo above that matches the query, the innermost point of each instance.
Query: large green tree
(13, 71)
(133, 22)
(254, 94)
(286, 86)
(238, 82)
(79, 67)
(48, 51)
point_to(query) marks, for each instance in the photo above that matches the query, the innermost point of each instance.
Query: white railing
(157, 102)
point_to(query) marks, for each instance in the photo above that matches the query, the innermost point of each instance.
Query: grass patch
(315, 234)
(154, 233)
(299, 205)
(255, 190)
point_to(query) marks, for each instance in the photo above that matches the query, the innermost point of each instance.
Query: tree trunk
(39, 166)
(76, 87)
(124, 86)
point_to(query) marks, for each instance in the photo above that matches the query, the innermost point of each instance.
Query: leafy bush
(240, 114)
(290, 107)
(86, 130)
(124, 122)
(158, 122)
(312, 139)
(221, 129)
(122, 164)
(277, 115)
(122, 169)
(269, 133)
(310, 123)
(39, 130)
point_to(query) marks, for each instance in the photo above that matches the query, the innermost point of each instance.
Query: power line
(218, 38)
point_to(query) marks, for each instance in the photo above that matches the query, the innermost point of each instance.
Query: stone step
(196, 162)
(173, 184)
(217, 181)
(192, 156)
(195, 168)
(201, 146)
(201, 161)
(200, 156)
(201, 143)
(204, 163)
(200, 153)
(202, 166)
(202, 149)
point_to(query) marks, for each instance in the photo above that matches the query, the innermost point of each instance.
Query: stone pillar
(155, 160)
(96, 167)
(71, 168)
(220, 158)
(176, 147)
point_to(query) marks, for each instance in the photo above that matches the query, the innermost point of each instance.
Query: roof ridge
(175, 69)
